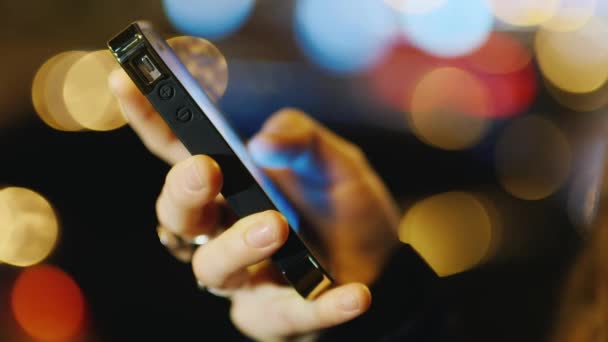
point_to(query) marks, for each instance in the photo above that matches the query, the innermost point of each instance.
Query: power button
(184, 114)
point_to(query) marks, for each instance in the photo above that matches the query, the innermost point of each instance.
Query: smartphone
(202, 127)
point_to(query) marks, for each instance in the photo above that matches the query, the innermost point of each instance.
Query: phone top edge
(128, 40)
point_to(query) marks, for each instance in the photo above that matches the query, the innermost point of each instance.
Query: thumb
(292, 141)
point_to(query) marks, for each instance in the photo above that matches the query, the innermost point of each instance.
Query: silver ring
(181, 248)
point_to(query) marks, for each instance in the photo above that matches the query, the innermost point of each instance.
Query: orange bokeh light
(48, 304)
(449, 107)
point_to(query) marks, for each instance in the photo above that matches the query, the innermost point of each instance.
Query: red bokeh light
(48, 304)
(501, 54)
(503, 65)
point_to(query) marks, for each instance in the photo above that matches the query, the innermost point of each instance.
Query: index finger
(145, 120)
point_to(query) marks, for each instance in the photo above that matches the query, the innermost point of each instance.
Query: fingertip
(209, 170)
(280, 221)
(268, 153)
(194, 181)
(118, 81)
(354, 299)
(286, 118)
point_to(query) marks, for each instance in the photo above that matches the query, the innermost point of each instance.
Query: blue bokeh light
(454, 29)
(344, 36)
(212, 19)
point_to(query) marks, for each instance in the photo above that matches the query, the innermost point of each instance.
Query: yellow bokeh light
(29, 228)
(47, 91)
(575, 61)
(204, 61)
(451, 231)
(533, 158)
(524, 12)
(571, 15)
(448, 109)
(87, 95)
(415, 6)
(580, 102)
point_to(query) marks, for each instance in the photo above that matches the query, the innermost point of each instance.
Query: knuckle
(154, 147)
(201, 268)
(288, 117)
(355, 153)
(290, 113)
(161, 209)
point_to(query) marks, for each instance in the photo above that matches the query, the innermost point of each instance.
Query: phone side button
(184, 114)
(166, 92)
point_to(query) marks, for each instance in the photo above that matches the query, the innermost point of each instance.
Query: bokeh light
(451, 231)
(210, 19)
(48, 304)
(415, 6)
(204, 61)
(29, 228)
(533, 158)
(571, 15)
(449, 109)
(454, 29)
(511, 94)
(394, 78)
(580, 102)
(47, 91)
(87, 95)
(500, 54)
(344, 36)
(502, 65)
(575, 61)
(524, 12)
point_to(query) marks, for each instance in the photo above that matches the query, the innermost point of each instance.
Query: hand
(328, 179)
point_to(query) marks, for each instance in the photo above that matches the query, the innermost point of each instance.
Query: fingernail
(261, 236)
(194, 181)
(348, 302)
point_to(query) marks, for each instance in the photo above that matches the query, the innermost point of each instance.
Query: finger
(292, 140)
(282, 312)
(145, 121)
(249, 241)
(188, 203)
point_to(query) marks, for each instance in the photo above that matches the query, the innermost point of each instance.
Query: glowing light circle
(450, 109)
(87, 95)
(451, 231)
(344, 36)
(576, 61)
(29, 228)
(204, 61)
(210, 19)
(48, 304)
(533, 158)
(454, 29)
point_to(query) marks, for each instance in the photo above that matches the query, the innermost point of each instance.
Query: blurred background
(486, 118)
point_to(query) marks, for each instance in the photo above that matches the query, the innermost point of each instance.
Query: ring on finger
(183, 248)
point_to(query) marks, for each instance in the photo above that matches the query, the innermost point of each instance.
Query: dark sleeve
(404, 305)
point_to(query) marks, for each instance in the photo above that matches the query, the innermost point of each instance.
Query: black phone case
(191, 125)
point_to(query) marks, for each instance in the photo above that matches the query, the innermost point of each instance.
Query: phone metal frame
(204, 129)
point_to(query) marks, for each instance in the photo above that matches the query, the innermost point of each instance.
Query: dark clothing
(405, 305)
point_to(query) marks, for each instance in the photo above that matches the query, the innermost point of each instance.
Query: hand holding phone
(362, 214)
